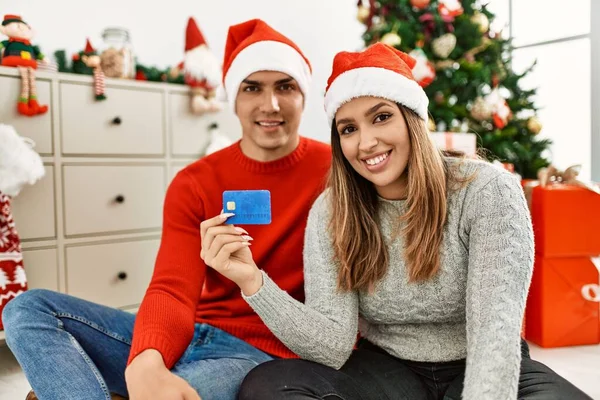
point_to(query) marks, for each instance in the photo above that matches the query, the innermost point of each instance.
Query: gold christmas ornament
(443, 46)
(392, 39)
(534, 125)
(482, 21)
(440, 65)
(481, 109)
(378, 24)
(362, 14)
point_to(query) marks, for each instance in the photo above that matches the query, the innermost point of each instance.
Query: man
(194, 334)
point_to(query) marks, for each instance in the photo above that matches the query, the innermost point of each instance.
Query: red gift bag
(13, 280)
(563, 306)
(565, 221)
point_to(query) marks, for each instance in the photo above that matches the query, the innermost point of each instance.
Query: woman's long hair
(358, 243)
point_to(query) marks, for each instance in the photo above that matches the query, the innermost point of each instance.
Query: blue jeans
(73, 349)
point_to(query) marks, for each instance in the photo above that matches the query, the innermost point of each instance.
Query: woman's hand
(225, 248)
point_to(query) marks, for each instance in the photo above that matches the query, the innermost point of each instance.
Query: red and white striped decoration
(98, 81)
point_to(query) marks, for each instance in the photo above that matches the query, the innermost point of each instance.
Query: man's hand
(147, 377)
(225, 248)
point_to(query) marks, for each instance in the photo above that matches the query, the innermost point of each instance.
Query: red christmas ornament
(450, 8)
(424, 70)
(419, 4)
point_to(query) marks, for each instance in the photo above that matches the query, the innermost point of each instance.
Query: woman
(430, 258)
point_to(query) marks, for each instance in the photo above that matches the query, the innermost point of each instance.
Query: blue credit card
(251, 207)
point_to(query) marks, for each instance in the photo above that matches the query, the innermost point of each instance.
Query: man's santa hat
(254, 46)
(379, 71)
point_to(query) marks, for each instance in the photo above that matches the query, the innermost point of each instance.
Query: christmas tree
(465, 70)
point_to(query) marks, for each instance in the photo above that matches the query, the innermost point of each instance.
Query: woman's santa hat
(254, 46)
(379, 71)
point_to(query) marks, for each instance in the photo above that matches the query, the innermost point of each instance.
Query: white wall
(319, 27)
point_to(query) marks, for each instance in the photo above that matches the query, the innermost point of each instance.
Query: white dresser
(91, 226)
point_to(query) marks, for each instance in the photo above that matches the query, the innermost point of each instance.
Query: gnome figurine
(202, 71)
(18, 52)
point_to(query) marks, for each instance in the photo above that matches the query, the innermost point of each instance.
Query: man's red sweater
(184, 291)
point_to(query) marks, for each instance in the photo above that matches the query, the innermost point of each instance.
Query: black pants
(373, 374)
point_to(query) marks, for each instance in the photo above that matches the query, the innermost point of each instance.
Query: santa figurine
(202, 71)
(18, 52)
(20, 165)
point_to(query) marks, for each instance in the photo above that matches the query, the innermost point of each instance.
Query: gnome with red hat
(18, 52)
(201, 69)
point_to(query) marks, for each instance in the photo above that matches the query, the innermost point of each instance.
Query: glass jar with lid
(117, 55)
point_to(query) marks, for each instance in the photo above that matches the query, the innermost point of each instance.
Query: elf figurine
(92, 60)
(18, 52)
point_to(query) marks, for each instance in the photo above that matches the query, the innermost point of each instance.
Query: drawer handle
(117, 121)
(120, 199)
(122, 276)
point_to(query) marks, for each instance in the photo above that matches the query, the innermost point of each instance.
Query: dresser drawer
(38, 128)
(33, 209)
(190, 132)
(128, 122)
(102, 199)
(41, 268)
(115, 274)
